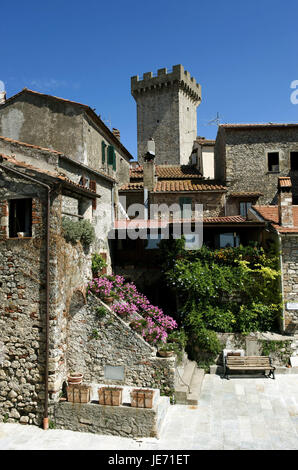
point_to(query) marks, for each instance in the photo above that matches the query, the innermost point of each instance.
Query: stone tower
(167, 112)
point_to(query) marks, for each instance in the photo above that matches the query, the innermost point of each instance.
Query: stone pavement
(241, 413)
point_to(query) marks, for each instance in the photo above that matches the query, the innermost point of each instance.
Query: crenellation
(162, 100)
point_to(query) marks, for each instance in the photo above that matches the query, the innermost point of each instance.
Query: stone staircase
(188, 384)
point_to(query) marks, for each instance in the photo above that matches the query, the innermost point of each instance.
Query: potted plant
(110, 396)
(142, 398)
(78, 393)
(98, 264)
(75, 378)
(166, 349)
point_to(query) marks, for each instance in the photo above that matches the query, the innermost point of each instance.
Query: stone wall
(96, 343)
(241, 158)
(289, 253)
(22, 308)
(212, 201)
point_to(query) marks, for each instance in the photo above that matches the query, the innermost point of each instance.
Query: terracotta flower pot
(75, 378)
(108, 300)
(142, 398)
(110, 396)
(166, 353)
(78, 393)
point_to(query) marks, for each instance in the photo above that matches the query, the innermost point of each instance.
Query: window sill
(19, 238)
(273, 172)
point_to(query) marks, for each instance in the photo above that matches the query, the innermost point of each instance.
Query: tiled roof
(246, 194)
(185, 185)
(162, 223)
(24, 144)
(168, 172)
(284, 182)
(132, 186)
(60, 154)
(202, 141)
(174, 186)
(257, 125)
(270, 214)
(51, 174)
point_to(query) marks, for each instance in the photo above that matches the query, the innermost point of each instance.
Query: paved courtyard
(242, 413)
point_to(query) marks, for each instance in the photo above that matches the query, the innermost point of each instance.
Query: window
(112, 157)
(20, 217)
(103, 152)
(273, 161)
(229, 240)
(294, 161)
(186, 207)
(244, 206)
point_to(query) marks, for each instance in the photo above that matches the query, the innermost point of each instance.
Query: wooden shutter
(103, 152)
(92, 186)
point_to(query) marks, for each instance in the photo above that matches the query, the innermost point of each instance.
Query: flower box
(164, 353)
(78, 393)
(142, 398)
(110, 396)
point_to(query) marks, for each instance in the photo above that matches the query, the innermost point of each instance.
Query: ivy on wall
(229, 290)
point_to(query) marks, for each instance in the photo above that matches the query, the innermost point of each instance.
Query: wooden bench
(252, 363)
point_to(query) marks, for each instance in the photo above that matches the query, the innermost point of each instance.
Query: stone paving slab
(242, 413)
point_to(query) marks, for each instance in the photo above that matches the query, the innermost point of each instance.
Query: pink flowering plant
(147, 319)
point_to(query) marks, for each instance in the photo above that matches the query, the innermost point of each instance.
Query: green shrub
(81, 230)
(98, 263)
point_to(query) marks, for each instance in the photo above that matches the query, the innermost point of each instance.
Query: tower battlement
(163, 79)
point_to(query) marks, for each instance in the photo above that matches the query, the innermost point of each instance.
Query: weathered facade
(249, 158)
(167, 112)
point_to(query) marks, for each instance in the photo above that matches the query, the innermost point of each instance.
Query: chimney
(116, 133)
(2, 97)
(149, 166)
(285, 202)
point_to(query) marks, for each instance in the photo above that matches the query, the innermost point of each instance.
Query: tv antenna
(215, 121)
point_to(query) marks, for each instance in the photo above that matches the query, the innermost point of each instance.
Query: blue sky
(244, 54)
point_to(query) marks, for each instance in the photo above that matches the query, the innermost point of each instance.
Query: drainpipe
(46, 418)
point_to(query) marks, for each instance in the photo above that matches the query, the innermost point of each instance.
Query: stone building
(282, 231)
(249, 158)
(167, 112)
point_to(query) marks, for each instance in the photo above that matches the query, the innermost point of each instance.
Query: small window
(20, 218)
(244, 206)
(273, 161)
(227, 240)
(294, 161)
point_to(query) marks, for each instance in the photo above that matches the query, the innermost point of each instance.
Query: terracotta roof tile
(24, 144)
(284, 182)
(57, 176)
(246, 194)
(257, 125)
(174, 186)
(270, 214)
(185, 185)
(168, 172)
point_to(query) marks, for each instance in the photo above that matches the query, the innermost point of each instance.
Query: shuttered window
(92, 186)
(103, 152)
(112, 157)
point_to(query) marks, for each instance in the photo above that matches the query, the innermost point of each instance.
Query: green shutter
(112, 157)
(103, 152)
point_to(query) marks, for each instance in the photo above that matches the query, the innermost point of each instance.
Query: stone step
(195, 386)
